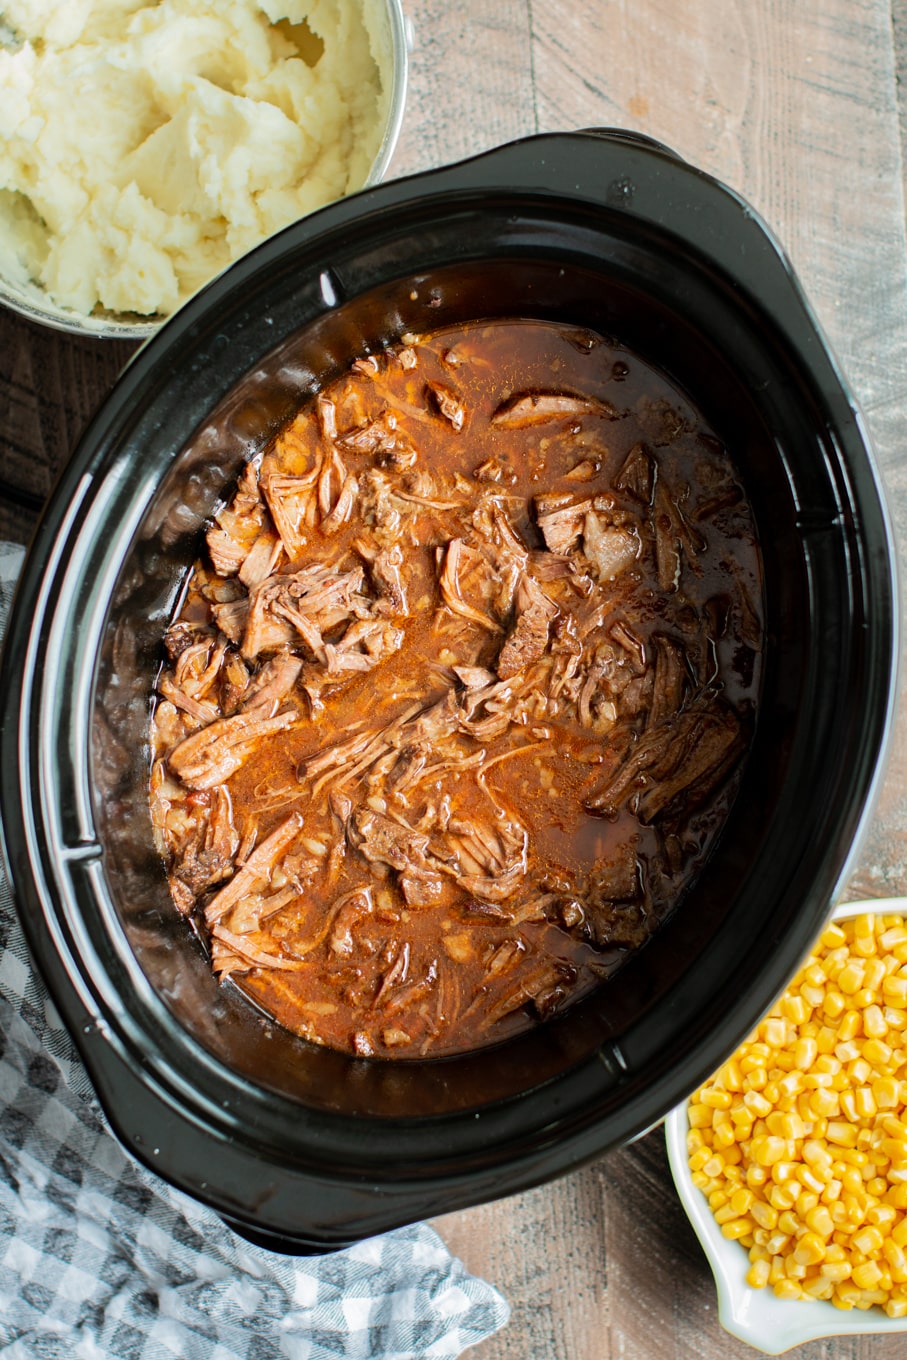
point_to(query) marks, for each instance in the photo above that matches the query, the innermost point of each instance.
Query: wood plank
(794, 107)
(470, 83)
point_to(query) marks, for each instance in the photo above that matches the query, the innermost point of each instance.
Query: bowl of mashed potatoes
(147, 144)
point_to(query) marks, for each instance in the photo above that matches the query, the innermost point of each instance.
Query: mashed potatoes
(144, 146)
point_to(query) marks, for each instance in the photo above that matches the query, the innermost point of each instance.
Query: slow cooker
(295, 1146)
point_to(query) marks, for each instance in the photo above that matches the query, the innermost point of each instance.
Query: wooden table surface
(794, 103)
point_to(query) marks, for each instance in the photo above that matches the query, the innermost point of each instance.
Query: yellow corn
(835, 1270)
(737, 1227)
(799, 1142)
(877, 1052)
(850, 979)
(833, 936)
(886, 1092)
(820, 1221)
(715, 1099)
(833, 1005)
(894, 990)
(868, 1241)
(810, 1250)
(763, 1214)
(758, 1273)
(867, 1275)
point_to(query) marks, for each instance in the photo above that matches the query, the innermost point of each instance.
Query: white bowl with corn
(791, 1161)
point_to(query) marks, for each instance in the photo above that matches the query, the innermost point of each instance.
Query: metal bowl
(31, 301)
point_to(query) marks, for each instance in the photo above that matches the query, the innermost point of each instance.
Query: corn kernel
(806, 1050)
(817, 1155)
(782, 1197)
(841, 1133)
(833, 937)
(787, 1289)
(810, 1250)
(742, 1200)
(731, 1076)
(894, 991)
(700, 1116)
(886, 1092)
(809, 1180)
(824, 1102)
(868, 1241)
(757, 1104)
(818, 1288)
(715, 1099)
(846, 1050)
(738, 1227)
(820, 1221)
(836, 1271)
(877, 1052)
(768, 1150)
(833, 1005)
(865, 1102)
(699, 1158)
(763, 1214)
(694, 1141)
(875, 973)
(794, 1009)
(848, 1106)
(867, 1275)
(757, 1275)
(825, 1039)
(850, 978)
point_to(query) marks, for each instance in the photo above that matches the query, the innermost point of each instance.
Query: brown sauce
(455, 703)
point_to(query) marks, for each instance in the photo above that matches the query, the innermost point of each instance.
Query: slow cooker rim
(487, 158)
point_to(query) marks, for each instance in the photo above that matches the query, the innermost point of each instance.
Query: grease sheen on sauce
(492, 770)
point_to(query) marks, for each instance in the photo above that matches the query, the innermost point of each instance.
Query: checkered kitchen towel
(100, 1260)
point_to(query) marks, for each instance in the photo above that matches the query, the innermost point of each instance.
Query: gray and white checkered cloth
(101, 1260)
